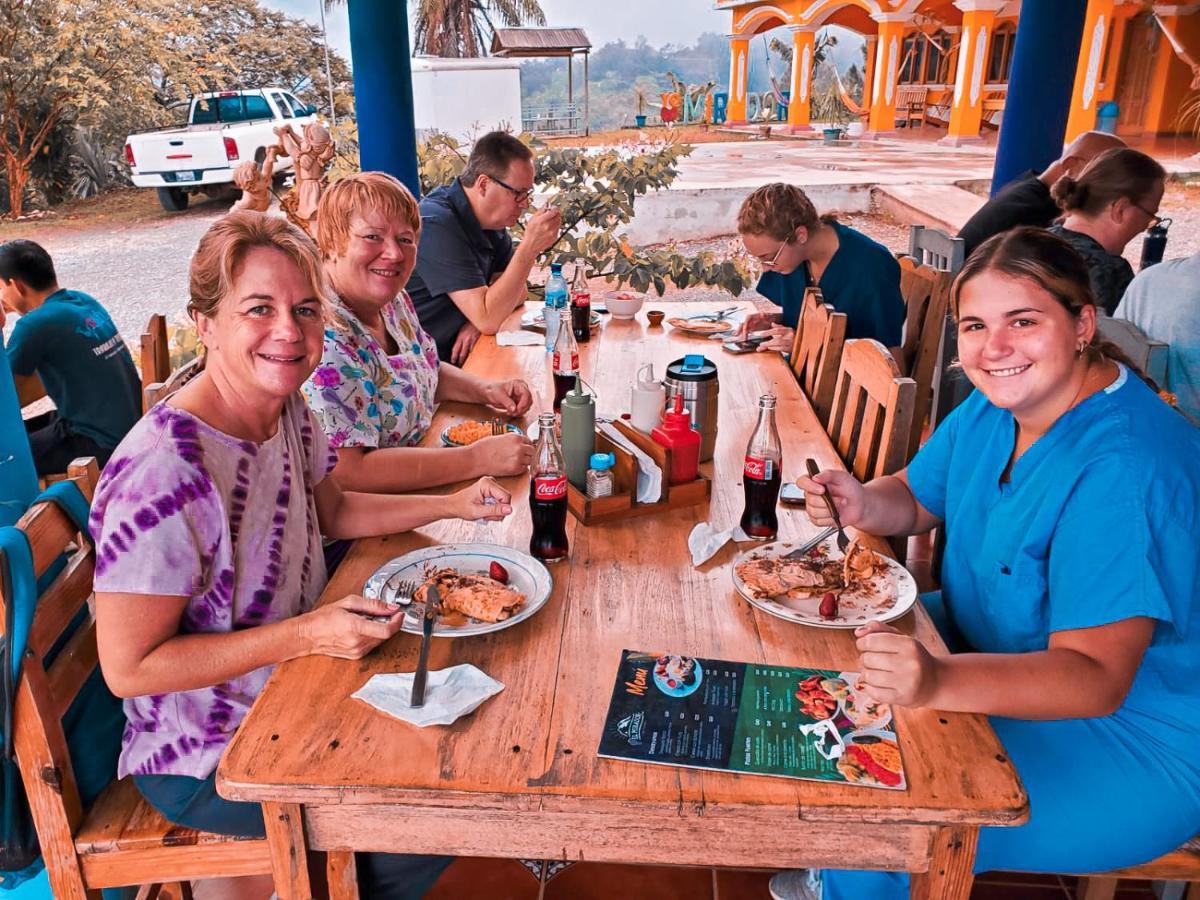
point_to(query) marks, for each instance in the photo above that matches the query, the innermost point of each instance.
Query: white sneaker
(796, 884)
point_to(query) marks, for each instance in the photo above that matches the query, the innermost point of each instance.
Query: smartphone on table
(790, 494)
(749, 345)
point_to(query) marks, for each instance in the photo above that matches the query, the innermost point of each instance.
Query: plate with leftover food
(701, 326)
(463, 434)
(535, 320)
(483, 587)
(823, 588)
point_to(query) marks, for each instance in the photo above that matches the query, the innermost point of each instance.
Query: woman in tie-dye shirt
(379, 379)
(208, 522)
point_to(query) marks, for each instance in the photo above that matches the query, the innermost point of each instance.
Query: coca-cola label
(550, 487)
(759, 469)
(581, 298)
(574, 363)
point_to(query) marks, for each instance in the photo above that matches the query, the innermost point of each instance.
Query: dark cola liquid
(759, 519)
(549, 540)
(562, 384)
(581, 321)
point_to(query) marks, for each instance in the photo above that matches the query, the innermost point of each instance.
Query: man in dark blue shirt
(66, 339)
(469, 278)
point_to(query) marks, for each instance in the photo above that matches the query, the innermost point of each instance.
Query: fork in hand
(842, 541)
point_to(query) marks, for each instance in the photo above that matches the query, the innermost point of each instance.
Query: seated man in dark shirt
(1027, 200)
(468, 277)
(66, 339)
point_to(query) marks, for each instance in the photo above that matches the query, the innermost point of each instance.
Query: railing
(561, 119)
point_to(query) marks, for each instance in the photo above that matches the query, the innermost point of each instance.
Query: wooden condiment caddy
(622, 504)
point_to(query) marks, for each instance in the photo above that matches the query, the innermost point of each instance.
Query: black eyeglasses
(523, 196)
(1155, 218)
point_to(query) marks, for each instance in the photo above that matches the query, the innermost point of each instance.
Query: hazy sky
(662, 22)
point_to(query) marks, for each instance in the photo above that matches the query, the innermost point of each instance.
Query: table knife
(432, 607)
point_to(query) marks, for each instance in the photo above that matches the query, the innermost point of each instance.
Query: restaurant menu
(748, 717)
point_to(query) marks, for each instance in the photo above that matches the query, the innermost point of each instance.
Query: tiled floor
(499, 879)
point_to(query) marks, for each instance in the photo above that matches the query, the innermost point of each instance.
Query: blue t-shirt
(1098, 523)
(72, 345)
(862, 280)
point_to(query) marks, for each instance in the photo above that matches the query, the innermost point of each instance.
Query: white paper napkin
(518, 339)
(649, 477)
(705, 541)
(449, 694)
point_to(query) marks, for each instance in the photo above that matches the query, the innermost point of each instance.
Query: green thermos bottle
(578, 433)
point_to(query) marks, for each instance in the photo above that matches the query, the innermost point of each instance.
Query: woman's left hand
(895, 667)
(513, 398)
(781, 339)
(485, 499)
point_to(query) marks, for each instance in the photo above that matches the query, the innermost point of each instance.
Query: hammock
(1181, 53)
(779, 98)
(861, 111)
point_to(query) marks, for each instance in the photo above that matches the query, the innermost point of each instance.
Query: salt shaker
(600, 476)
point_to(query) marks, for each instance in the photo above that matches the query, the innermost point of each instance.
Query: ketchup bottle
(677, 435)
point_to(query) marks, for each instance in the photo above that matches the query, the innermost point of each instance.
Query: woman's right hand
(847, 493)
(756, 322)
(504, 454)
(349, 628)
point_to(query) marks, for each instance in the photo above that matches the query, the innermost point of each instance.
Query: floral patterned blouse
(362, 396)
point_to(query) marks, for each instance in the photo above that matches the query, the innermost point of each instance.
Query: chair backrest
(817, 351)
(45, 691)
(152, 393)
(934, 248)
(917, 284)
(1147, 354)
(872, 411)
(156, 355)
(927, 295)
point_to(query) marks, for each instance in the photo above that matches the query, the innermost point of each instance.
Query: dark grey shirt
(455, 254)
(1109, 274)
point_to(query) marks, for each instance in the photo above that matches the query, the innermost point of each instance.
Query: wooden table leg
(950, 867)
(289, 851)
(343, 875)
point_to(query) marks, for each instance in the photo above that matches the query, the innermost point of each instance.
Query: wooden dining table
(520, 777)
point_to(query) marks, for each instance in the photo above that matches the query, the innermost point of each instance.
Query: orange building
(948, 60)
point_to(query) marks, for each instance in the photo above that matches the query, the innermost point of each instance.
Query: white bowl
(623, 304)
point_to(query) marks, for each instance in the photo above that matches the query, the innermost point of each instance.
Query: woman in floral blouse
(379, 380)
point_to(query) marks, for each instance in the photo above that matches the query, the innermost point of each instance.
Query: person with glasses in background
(797, 249)
(469, 276)
(1114, 199)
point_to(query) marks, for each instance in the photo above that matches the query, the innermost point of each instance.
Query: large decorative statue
(310, 154)
(255, 184)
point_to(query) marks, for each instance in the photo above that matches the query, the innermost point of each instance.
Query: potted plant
(639, 98)
(832, 112)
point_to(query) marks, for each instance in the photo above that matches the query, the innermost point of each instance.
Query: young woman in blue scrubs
(798, 248)
(1070, 494)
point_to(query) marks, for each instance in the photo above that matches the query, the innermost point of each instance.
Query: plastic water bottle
(556, 302)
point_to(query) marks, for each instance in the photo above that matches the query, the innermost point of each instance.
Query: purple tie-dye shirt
(185, 510)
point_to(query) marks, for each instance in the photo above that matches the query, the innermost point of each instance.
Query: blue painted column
(381, 58)
(1039, 87)
(18, 477)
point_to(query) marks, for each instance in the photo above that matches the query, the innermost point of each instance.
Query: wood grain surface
(528, 755)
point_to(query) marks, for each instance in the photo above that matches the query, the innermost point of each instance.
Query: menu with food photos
(814, 724)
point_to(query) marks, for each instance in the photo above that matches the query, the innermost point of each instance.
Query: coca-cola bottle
(565, 363)
(762, 476)
(548, 493)
(581, 304)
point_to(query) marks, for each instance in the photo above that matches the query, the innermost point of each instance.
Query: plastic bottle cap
(555, 268)
(677, 417)
(602, 461)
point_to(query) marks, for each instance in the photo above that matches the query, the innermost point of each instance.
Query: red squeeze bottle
(677, 435)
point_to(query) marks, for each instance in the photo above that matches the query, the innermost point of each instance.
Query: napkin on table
(449, 694)
(705, 541)
(649, 475)
(518, 339)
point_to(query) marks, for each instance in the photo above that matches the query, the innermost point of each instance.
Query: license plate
(185, 176)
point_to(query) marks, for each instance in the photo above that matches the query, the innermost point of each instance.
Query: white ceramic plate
(448, 442)
(536, 321)
(804, 611)
(525, 574)
(702, 327)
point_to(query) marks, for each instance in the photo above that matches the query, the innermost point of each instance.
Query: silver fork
(405, 591)
(497, 427)
(716, 317)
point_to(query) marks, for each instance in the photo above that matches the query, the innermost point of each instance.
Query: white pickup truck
(224, 129)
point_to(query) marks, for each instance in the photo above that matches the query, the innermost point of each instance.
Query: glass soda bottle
(564, 364)
(762, 475)
(548, 494)
(581, 303)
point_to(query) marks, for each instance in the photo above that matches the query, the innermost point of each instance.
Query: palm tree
(462, 28)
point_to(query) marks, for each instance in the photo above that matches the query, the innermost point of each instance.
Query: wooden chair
(1147, 354)
(155, 355)
(926, 296)
(152, 393)
(121, 840)
(911, 100)
(872, 411)
(817, 351)
(1178, 865)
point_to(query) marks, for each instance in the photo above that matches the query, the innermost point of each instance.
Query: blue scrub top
(1098, 523)
(862, 280)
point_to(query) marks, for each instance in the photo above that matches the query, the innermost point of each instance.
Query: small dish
(656, 316)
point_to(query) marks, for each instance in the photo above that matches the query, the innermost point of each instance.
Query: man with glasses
(469, 277)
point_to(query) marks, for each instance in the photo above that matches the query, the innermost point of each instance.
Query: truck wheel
(173, 199)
